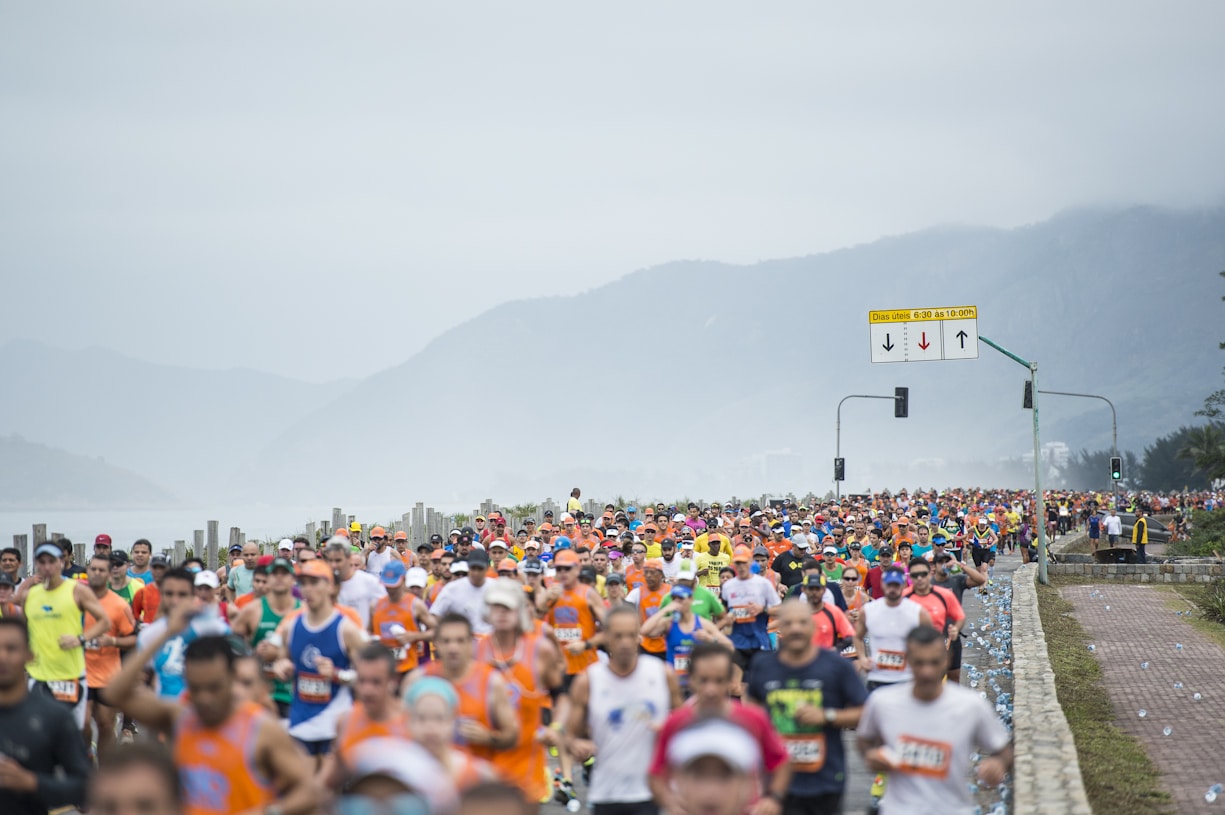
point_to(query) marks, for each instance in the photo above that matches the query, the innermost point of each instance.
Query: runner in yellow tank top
(53, 607)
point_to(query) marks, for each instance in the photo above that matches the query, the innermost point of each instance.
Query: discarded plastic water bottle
(1178, 646)
(1197, 696)
(1177, 686)
(1144, 666)
(1108, 608)
(574, 805)
(1211, 795)
(1167, 731)
(1142, 713)
(1092, 648)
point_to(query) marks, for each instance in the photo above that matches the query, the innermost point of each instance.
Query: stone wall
(1194, 572)
(1046, 776)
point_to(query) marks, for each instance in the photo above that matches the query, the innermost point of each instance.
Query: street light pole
(1114, 427)
(838, 433)
(1039, 502)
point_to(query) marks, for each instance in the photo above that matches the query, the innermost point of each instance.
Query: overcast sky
(317, 189)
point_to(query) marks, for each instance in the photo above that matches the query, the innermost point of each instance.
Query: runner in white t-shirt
(924, 734)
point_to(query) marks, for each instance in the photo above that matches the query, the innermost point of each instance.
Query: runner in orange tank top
(432, 702)
(376, 712)
(232, 756)
(532, 667)
(487, 724)
(401, 620)
(648, 598)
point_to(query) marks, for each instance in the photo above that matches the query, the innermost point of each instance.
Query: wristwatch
(830, 715)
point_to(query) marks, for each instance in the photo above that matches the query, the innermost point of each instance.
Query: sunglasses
(917, 575)
(851, 578)
(563, 568)
(378, 539)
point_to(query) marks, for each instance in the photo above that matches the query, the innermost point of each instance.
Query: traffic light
(901, 403)
(1116, 468)
(1027, 401)
(840, 469)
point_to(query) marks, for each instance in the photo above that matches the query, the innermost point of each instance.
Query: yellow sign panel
(914, 315)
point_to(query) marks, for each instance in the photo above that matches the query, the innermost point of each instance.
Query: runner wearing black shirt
(42, 759)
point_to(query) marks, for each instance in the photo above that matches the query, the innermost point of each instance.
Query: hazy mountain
(184, 429)
(681, 378)
(35, 475)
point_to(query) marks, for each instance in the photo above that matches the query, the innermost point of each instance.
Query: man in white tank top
(885, 623)
(616, 710)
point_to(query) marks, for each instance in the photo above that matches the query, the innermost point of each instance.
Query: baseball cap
(586, 574)
(378, 532)
(317, 568)
(505, 592)
(264, 560)
(342, 532)
(717, 738)
(631, 509)
(682, 592)
(614, 577)
(102, 540)
(561, 542)
(566, 557)
(653, 563)
(478, 558)
(497, 543)
(435, 538)
(286, 545)
(686, 544)
(415, 577)
(479, 518)
(893, 575)
(687, 570)
(533, 565)
(392, 572)
(814, 581)
(459, 567)
(760, 550)
(159, 560)
(437, 554)
(830, 550)
(119, 558)
(355, 527)
(281, 563)
(742, 554)
(207, 578)
(403, 536)
(236, 548)
(507, 566)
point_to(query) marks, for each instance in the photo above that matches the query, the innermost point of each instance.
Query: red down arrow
(923, 343)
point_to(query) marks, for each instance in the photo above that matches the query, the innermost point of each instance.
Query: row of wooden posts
(420, 524)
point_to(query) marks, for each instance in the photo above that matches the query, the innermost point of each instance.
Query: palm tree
(1205, 447)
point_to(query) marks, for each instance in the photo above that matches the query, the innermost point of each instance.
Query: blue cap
(631, 509)
(392, 573)
(682, 592)
(893, 575)
(561, 542)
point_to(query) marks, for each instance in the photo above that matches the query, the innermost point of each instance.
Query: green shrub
(1212, 601)
(1207, 536)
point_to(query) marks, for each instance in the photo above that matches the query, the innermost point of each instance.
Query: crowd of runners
(702, 660)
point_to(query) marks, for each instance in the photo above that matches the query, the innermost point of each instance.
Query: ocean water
(164, 526)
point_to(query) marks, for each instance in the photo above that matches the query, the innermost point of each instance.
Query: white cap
(687, 570)
(476, 546)
(416, 577)
(718, 738)
(830, 550)
(459, 567)
(678, 518)
(208, 578)
(505, 592)
(686, 544)
(286, 545)
(497, 543)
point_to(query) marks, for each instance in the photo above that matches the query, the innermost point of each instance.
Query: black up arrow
(888, 346)
(961, 335)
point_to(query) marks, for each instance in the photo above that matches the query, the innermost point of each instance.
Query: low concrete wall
(1046, 776)
(1204, 572)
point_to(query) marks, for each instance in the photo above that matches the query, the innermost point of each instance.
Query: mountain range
(694, 377)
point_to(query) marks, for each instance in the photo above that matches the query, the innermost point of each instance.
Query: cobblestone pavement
(1131, 626)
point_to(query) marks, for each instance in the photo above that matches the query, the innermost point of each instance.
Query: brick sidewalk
(1139, 627)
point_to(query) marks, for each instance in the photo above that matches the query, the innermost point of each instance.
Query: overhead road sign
(924, 334)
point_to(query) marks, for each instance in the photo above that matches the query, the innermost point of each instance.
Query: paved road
(1140, 628)
(859, 780)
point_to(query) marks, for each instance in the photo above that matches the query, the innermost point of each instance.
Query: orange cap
(378, 532)
(653, 563)
(401, 536)
(566, 557)
(742, 555)
(342, 532)
(317, 568)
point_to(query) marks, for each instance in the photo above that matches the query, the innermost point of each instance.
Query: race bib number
(891, 660)
(741, 614)
(568, 634)
(924, 757)
(65, 690)
(400, 653)
(849, 652)
(680, 664)
(807, 752)
(314, 689)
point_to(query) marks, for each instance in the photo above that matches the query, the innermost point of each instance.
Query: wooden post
(40, 534)
(22, 544)
(310, 532)
(180, 552)
(197, 545)
(242, 538)
(338, 518)
(210, 551)
(56, 537)
(78, 553)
